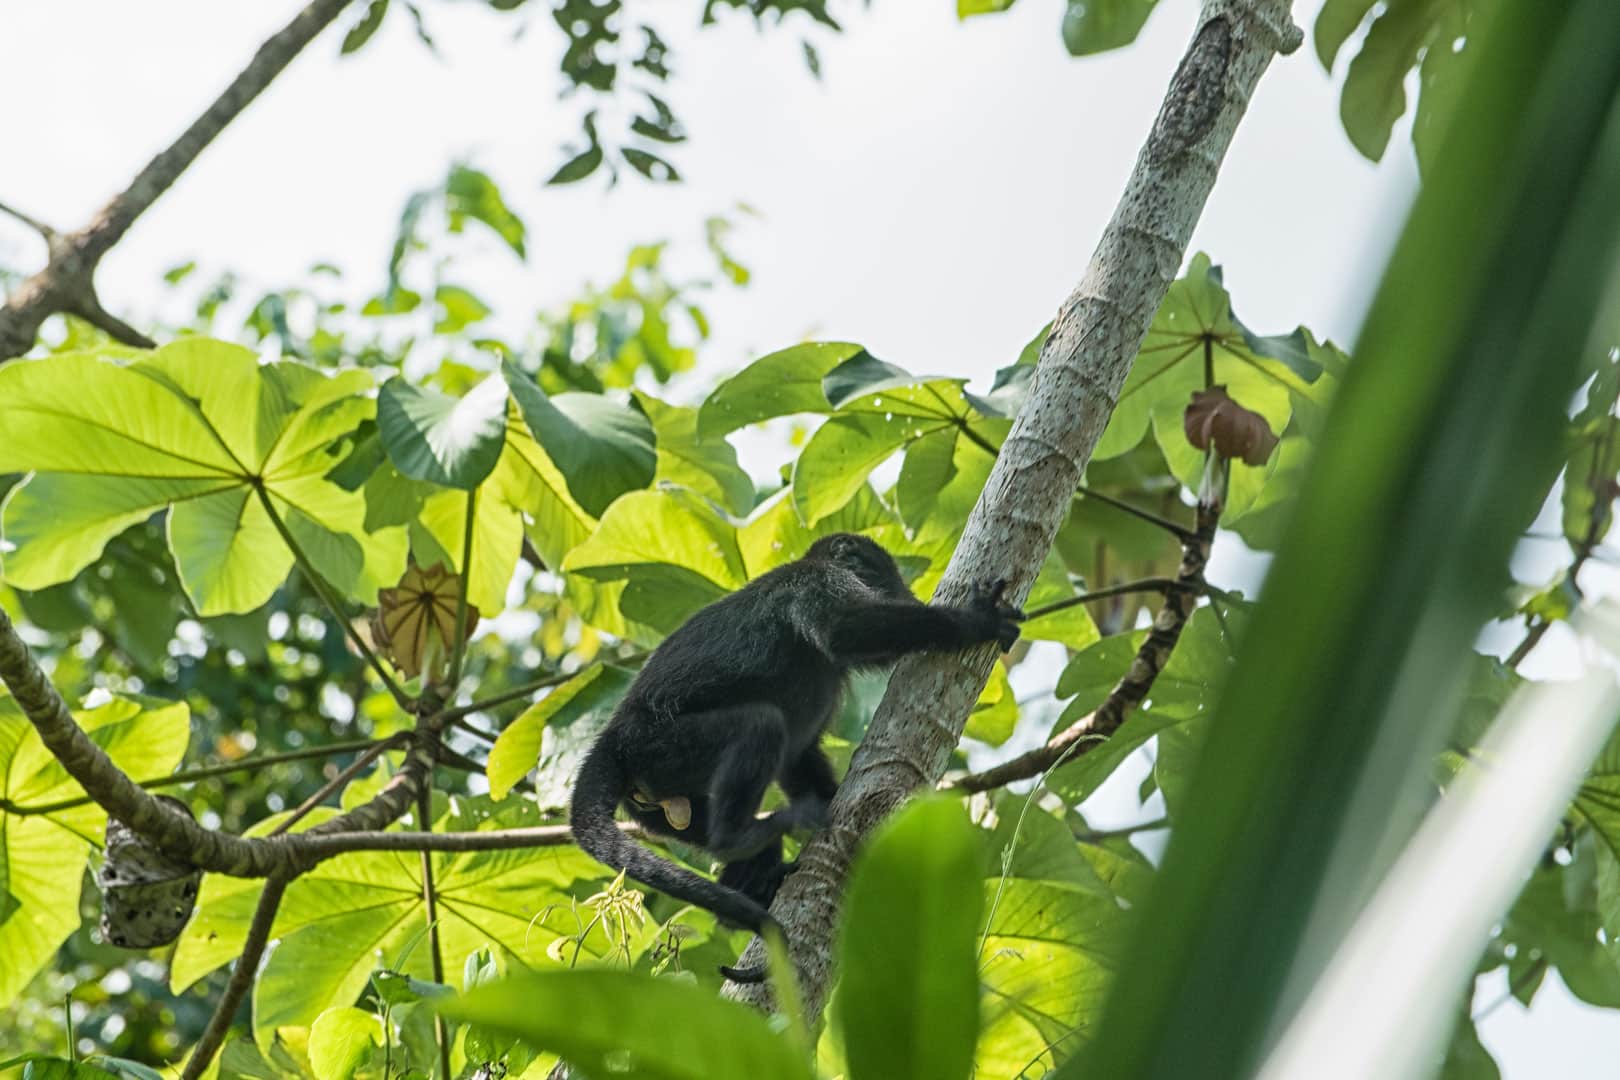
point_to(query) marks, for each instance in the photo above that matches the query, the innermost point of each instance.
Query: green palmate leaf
(1194, 341)
(705, 465)
(1375, 84)
(241, 1058)
(602, 448)
(908, 1000)
(1598, 800)
(1046, 966)
(341, 1040)
(439, 439)
(1038, 846)
(42, 856)
(334, 920)
(781, 384)
(497, 542)
(470, 195)
(995, 714)
(880, 410)
(201, 428)
(1183, 695)
(840, 456)
(1334, 25)
(671, 550)
(1094, 26)
(458, 309)
(517, 750)
(529, 480)
(615, 1023)
(774, 533)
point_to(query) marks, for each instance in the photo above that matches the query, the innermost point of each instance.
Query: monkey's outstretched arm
(880, 633)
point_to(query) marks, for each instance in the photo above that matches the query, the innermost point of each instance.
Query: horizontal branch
(1124, 588)
(327, 845)
(518, 693)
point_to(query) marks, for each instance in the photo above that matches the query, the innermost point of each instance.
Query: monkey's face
(863, 557)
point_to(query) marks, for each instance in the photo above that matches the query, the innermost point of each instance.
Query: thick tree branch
(66, 285)
(1092, 729)
(171, 832)
(1082, 367)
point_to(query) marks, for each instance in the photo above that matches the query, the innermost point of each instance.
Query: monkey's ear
(678, 811)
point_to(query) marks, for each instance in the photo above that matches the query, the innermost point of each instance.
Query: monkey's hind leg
(759, 876)
(747, 744)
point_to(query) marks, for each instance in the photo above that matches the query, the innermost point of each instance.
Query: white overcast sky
(934, 198)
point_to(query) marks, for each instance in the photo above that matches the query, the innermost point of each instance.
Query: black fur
(737, 698)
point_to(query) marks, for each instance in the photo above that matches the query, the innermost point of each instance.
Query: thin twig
(326, 845)
(355, 768)
(40, 227)
(206, 772)
(1094, 728)
(430, 904)
(247, 966)
(463, 724)
(1096, 836)
(1597, 481)
(1526, 977)
(1180, 532)
(1124, 588)
(454, 714)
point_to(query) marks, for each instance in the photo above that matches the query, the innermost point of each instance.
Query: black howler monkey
(737, 697)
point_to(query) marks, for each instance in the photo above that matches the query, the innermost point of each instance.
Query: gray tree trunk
(1083, 365)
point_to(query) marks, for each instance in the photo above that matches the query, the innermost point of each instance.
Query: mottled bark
(1082, 366)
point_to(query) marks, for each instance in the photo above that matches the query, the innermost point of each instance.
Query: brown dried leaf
(1214, 420)
(415, 622)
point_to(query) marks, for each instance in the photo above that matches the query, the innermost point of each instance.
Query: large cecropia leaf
(42, 856)
(453, 442)
(618, 1024)
(334, 920)
(603, 448)
(201, 429)
(1195, 341)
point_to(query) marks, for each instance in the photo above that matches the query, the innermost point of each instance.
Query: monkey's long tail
(597, 791)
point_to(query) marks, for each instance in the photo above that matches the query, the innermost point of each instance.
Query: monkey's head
(863, 557)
